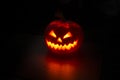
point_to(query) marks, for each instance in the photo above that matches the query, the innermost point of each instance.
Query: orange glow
(52, 34)
(60, 46)
(65, 70)
(61, 70)
(59, 40)
(67, 35)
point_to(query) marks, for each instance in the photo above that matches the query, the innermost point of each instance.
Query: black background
(98, 19)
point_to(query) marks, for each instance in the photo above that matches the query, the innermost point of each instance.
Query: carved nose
(59, 40)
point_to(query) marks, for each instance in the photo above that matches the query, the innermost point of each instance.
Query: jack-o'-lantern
(63, 36)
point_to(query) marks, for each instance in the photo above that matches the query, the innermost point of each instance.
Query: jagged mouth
(62, 46)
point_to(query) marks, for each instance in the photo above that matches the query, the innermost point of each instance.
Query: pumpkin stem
(59, 15)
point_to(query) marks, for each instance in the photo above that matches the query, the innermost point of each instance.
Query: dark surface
(98, 19)
(37, 63)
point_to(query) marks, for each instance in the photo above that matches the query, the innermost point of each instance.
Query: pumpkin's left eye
(67, 35)
(52, 34)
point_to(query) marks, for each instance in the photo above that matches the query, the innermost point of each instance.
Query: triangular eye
(67, 35)
(52, 34)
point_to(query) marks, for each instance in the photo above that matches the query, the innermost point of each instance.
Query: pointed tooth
(49, 43)
(72, 45)
(63, 47)
(68, 47)
(55, 46)
(52, 45)
(60, 47)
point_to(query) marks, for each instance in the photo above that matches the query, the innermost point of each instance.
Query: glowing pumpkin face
(63, 36)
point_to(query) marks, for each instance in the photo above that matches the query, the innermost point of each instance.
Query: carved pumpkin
(63, 36)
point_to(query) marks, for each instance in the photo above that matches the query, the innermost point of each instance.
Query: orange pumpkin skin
(63, 37)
